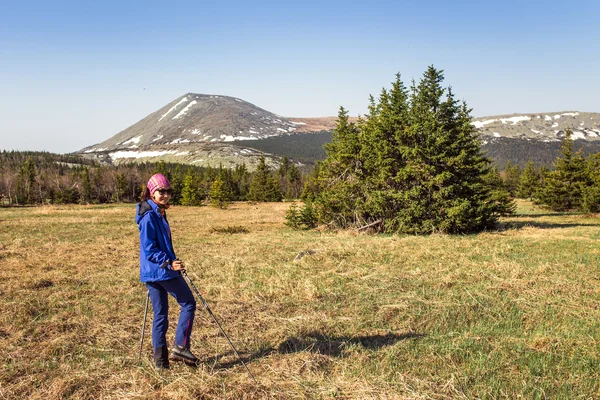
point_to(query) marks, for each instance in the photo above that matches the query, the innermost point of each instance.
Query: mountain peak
(199, 118)
(200, 128)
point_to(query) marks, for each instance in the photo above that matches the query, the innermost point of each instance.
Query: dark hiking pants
(159, 292)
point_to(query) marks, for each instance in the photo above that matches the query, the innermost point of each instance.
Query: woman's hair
(146, 194)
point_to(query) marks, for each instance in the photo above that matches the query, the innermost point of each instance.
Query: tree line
(29, 178)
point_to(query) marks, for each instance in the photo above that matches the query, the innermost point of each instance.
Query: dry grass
(506, 314)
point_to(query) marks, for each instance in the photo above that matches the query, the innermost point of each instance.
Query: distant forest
(308, 148)
(46, 178)
(520, 151)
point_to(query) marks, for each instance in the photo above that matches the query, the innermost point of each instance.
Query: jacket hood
(143, 208)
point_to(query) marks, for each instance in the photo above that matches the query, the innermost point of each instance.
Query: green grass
(511, 313)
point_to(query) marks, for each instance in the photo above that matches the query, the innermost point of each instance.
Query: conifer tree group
(573, 184)
(413, 164)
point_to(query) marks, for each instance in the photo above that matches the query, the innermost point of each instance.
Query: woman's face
(162, 196)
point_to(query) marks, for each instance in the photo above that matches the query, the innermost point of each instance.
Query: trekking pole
(144, 326)
(217, 322)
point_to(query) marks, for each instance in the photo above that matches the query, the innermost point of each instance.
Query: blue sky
(74, 73)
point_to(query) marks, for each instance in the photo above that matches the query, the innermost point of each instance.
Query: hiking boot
(161, 357)
(183, 354)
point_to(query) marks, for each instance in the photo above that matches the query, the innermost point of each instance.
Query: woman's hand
(178, 265)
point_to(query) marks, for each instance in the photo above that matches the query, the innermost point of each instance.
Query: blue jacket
(156, 247)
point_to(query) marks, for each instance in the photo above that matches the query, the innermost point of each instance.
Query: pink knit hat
(158, 181)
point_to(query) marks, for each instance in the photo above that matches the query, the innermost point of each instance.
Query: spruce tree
(273, 189)
(301, 217)
(264, 186)
(505, 205)
(241, 179)
(177, 185)
(591, 192)
(529, 182)
(86, 187)
(259, 181)
(312, 186)
(161, 168)
(190, 195)
(383, 144)
(543, 173)
(340, 174)
(563, 189)
(229, 186)
(512, 177)
(218, 196)
(294, 178)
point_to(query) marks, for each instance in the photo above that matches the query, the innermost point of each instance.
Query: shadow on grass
(551, 214)
(217, 362)
(505, 226)
(314, 342)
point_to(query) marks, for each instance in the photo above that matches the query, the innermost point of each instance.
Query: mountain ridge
(205, 129)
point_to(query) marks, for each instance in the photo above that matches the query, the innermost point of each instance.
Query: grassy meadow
(513, 313)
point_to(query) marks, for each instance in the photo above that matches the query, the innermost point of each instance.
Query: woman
(161, 271)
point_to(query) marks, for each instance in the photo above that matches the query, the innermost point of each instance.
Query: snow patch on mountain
(174, 107)
(481, 124)
(182, 112)
(138, 154)
(515, 120)
(135, 140)
(578, 135)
